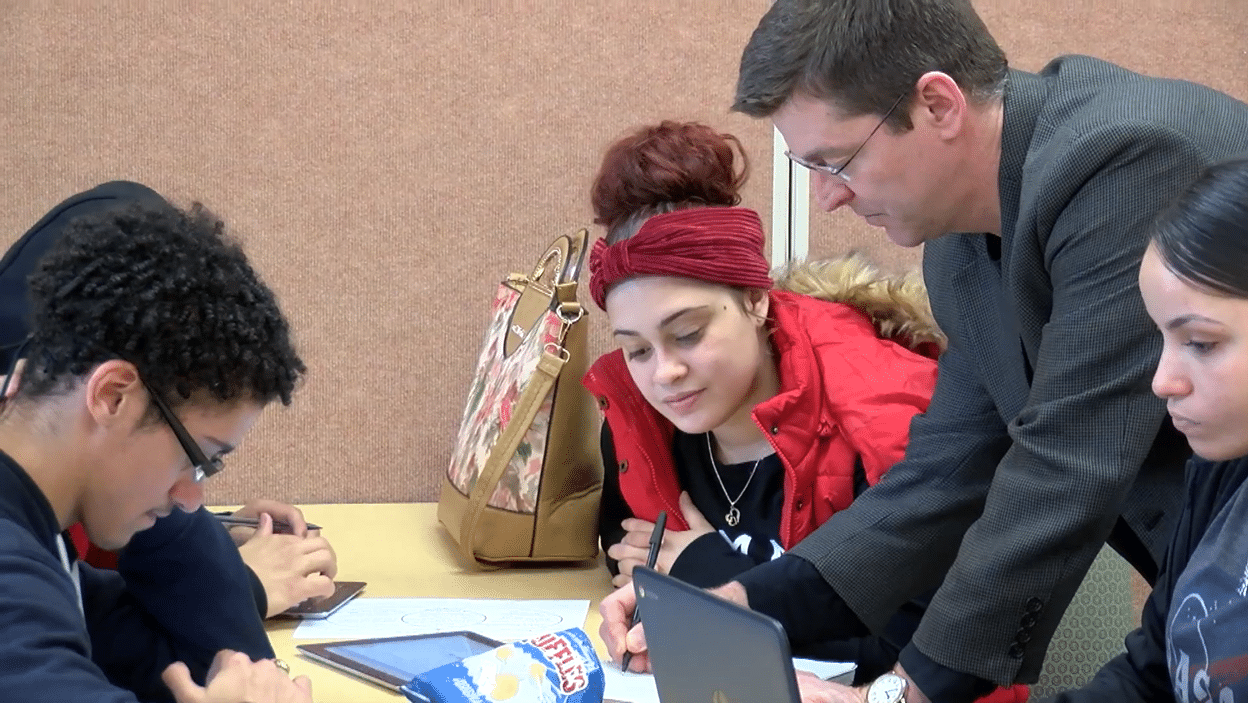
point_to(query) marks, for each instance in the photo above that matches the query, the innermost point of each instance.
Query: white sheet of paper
(824, 670)
(639, 688)
(392, 617)
(627, 686)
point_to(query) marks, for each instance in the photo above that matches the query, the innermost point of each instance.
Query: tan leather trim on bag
(521, 417)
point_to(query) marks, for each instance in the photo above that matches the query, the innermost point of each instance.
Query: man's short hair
(862, 55)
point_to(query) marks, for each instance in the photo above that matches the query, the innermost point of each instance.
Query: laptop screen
(704, 649)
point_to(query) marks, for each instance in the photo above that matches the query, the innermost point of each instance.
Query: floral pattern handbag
(525, 476)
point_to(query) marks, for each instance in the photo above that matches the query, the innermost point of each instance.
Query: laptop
(704, 649)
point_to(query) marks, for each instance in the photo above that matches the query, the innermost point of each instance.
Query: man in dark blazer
(1033, 194)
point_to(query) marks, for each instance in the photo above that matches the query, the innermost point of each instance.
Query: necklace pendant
(733, 516)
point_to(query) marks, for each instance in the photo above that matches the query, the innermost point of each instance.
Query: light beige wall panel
(387, 162)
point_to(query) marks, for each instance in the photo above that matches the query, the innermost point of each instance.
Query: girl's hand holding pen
(618, 633)
(635, 547)
(656, 544)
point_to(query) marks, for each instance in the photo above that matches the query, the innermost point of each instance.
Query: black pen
(278, 525)
(656, 542)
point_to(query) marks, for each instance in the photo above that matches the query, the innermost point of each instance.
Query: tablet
(318, 608)
(393, 661)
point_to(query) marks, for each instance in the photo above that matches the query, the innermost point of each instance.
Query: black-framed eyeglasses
(203, 465)
(839, 171)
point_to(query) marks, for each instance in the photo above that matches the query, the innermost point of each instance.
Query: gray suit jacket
(1043, 428)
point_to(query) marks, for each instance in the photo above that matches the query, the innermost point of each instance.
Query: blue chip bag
(559, 667)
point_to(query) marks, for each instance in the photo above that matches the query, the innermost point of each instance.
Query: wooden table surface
(402, 551)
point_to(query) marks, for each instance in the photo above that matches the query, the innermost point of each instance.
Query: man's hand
(816, 690)
(235, 678)
(279, 511)
(292, 569)
(734, 592)
(617, 612)
(635, 547)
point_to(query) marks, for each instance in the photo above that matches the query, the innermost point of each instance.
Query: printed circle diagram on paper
(522, 618)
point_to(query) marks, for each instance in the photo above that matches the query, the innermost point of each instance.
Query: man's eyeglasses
(839, 171)
(204, 467)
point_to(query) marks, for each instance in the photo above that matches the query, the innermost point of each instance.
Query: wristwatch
(889, 688)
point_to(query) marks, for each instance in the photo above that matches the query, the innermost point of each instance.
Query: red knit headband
(714, 244)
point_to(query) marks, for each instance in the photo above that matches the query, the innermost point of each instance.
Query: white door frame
(790, 206)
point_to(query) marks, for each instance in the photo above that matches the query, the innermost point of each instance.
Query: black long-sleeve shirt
(718, 557)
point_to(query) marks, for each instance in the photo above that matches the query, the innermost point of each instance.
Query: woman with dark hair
(749, 410)
(153, 348)
(1193, 642)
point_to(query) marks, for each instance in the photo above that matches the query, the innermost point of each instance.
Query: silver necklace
(733, 516)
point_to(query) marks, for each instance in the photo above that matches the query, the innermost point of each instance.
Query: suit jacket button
(1034, 605)
(1028, 621)
(775, 429)
(1015, 651)
(1022, 637)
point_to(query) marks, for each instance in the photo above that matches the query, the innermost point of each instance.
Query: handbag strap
(530, 401)
(551, 285)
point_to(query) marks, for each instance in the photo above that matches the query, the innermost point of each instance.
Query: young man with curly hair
(154, 347)
(287, 566)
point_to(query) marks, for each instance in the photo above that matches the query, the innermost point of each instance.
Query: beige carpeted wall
(386, 162)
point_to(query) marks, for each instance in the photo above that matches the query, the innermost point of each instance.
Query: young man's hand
(292, 569)
(235, 678)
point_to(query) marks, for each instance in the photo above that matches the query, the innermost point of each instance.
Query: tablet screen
(393, 661)
(404, 659)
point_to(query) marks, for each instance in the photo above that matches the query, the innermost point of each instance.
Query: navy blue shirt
(1192, 644)
(181, 593)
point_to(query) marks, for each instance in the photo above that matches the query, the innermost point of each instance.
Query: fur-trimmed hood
(896, 304)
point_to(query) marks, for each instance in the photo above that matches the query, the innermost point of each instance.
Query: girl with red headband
(748, 412)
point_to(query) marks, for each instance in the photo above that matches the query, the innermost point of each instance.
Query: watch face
(889, 688)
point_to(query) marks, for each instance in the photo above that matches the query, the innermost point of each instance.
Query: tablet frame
(320, 652)
(344, 591)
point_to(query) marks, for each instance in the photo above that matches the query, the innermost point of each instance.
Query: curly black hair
(166, 290)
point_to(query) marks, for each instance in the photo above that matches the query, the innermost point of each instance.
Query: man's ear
(939, 104)
(115, 393)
